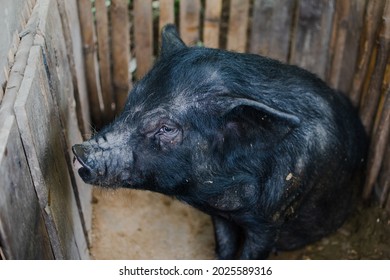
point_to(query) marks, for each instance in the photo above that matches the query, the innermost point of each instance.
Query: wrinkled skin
(268, 150)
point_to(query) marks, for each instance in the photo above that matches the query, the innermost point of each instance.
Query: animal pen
(67, 68)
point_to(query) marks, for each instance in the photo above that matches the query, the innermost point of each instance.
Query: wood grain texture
(167, 14)
(91, 63)
(190, 21)
(143, 35)
(104, 51)
(23, 232)
(312, 34)
(42, 142)
(212, 22)
(120, 46)
(367, 54)
(271, 28)
(74, 49)
(62, 90)
(238, 25)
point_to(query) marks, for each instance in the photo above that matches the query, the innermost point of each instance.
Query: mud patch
(129, 224)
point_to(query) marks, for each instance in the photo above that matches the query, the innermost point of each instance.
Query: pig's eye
(166, 129)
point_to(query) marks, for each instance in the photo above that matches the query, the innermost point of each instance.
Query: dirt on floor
(130, 224)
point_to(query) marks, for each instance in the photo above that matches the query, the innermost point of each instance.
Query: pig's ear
(170, 41)
(249, 119)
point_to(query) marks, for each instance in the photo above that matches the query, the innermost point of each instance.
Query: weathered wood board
(52, 42)
(190, 21)
(103, 41)
(312, 34)
(238, 25)
(40, 129)
(74, 46)
(120, 46)
(212, 22)
(271, 28)
(143, 35)
(23, 232)
(91, 63)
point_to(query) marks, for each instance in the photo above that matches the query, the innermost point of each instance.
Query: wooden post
(347, 25)
(312, 35)
(74, 46)
(23, 232)
(120, 46)
(190, 21)
(143, 36)
(212, 22)
(103, 39)
(379, 142)
(271, 28)
(91, 63)
(167, 14)
(238, 25)
(363, 71)
(370, 98)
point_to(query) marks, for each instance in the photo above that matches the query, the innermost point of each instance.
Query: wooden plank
(120, 47)
(167, 13)
(370, 98)
(363, 71)
(42, 141)
(19, 64)
(271, 28)
(143, 36)
(313, 29)
(347, 25)
(13, 17)
(384, 178)
(103, 39)
(91, 63)
(238, 25)
(23, 233)
(212, 23)
(61, 87)
(71, 26)
(190, 21)
(378, 145)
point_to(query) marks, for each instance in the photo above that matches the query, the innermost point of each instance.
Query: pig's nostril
(80, 156)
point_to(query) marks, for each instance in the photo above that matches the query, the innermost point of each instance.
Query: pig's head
(187, 123)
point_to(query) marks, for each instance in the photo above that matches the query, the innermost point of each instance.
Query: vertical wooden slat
(347, 25)
(41, 136)
(378, 145)
(372, 19)
(238, 25)
(120, 46)
(370, 98)
(23, 233)
(212, 22)
(103, 39)
(312, 35)
(271, 28)
(384, 179)
(167, 13)
(72, 33)
(91, 63)
(143, 36)
(190, 21)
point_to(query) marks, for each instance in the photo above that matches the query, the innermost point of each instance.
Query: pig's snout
(81, 163)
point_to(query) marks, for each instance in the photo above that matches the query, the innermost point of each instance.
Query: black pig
(267, 149)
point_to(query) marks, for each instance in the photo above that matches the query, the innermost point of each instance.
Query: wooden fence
(45, 208)
(345, 42)
(64, 63)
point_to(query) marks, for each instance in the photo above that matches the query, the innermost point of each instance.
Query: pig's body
(268, 150)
